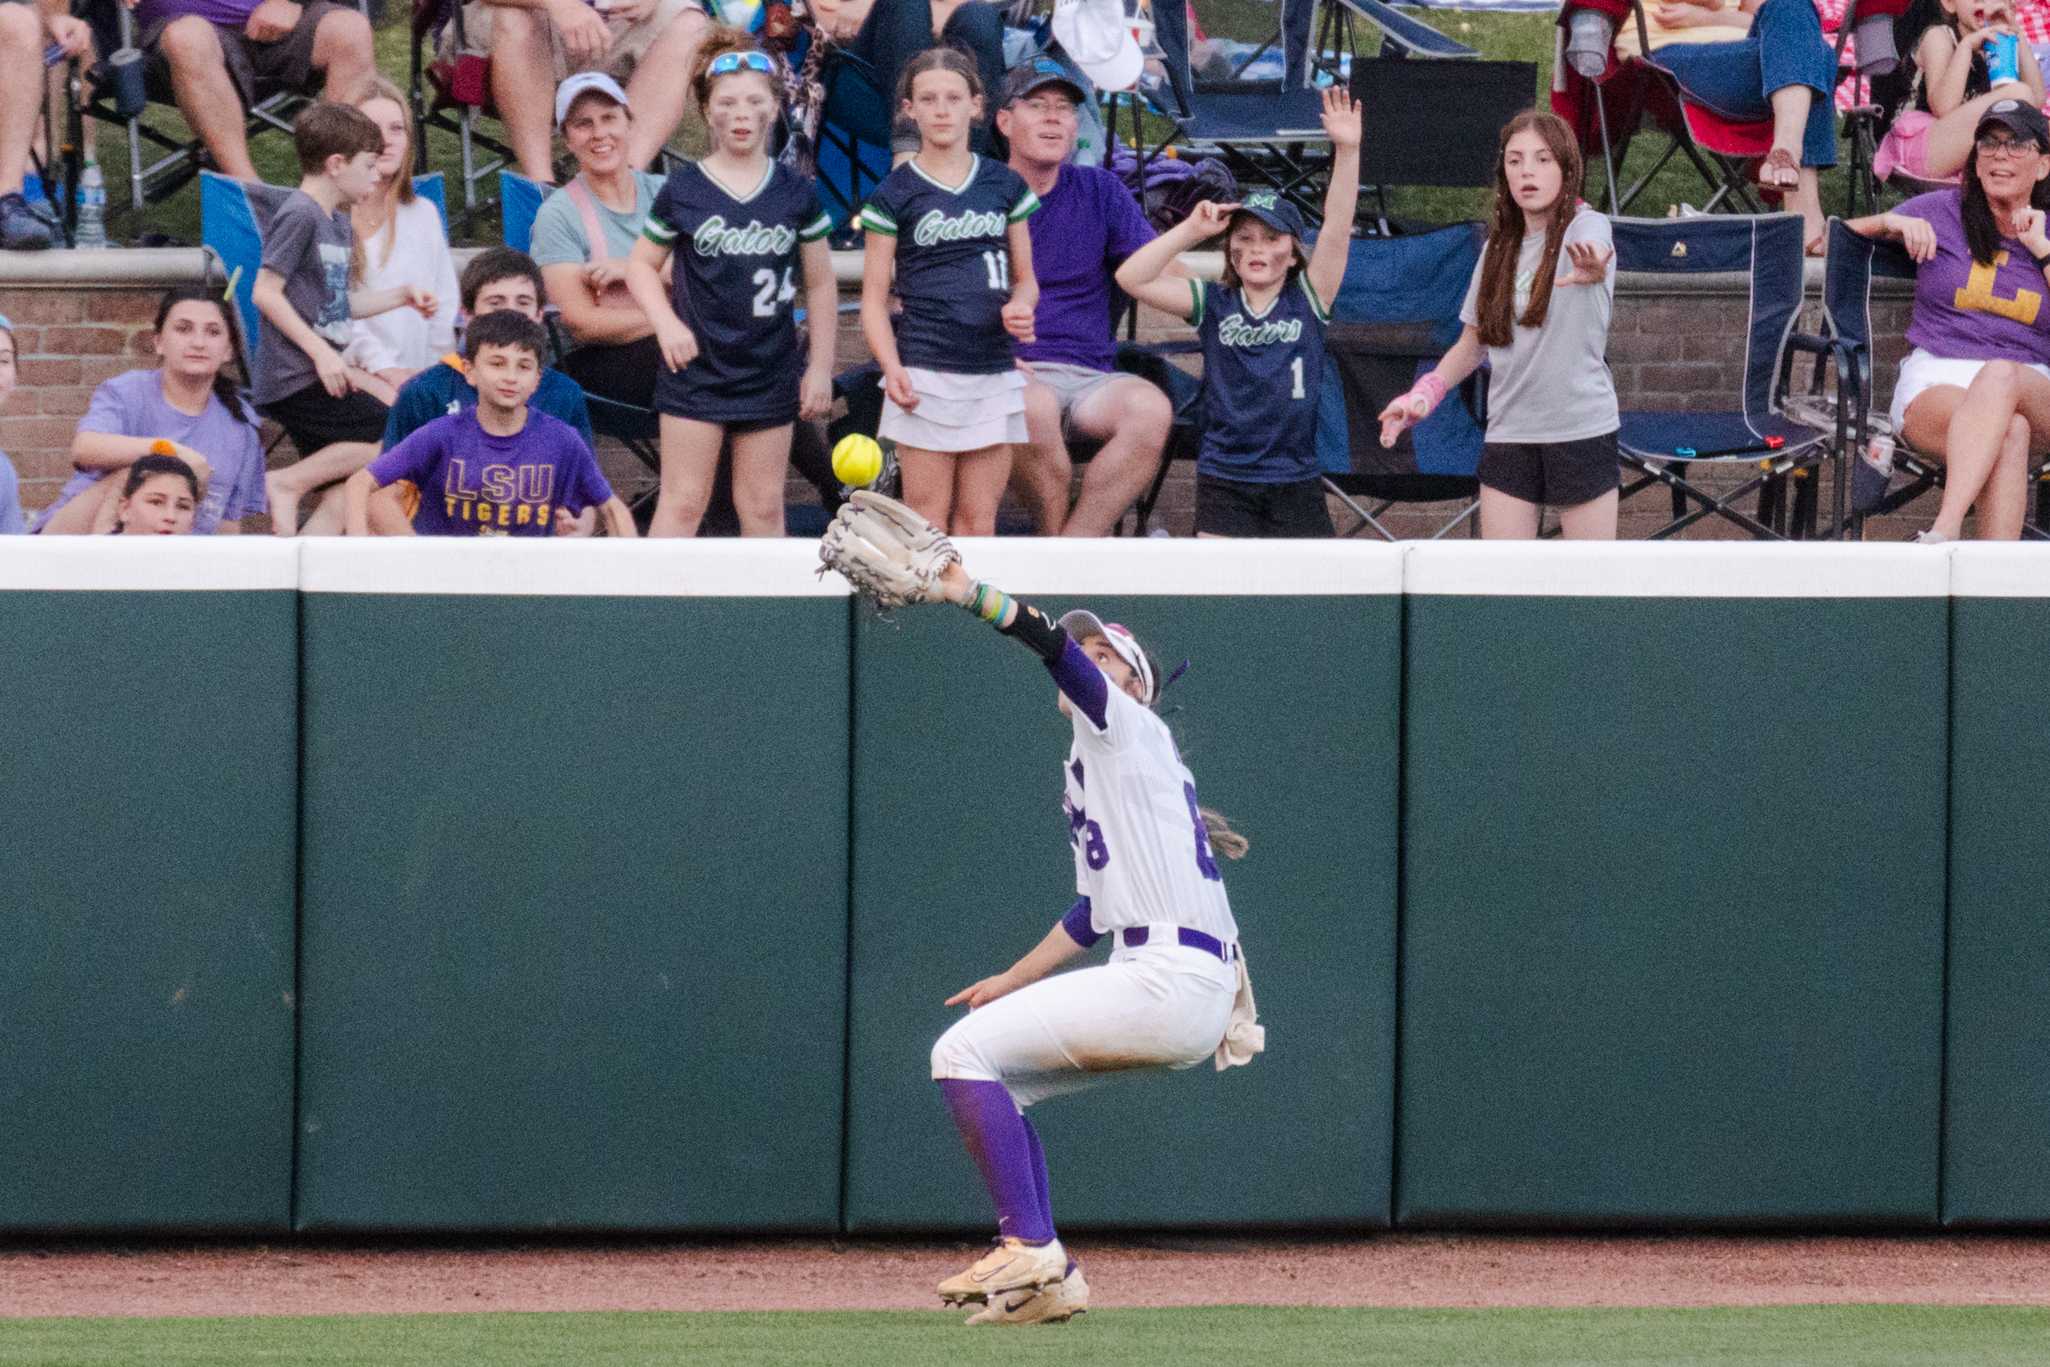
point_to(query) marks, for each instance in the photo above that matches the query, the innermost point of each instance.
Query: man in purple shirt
(1087, 224)
(213, 57)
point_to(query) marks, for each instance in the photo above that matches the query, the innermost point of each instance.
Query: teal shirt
(559, 236)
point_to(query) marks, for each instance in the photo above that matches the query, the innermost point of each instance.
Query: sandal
(1779, 170)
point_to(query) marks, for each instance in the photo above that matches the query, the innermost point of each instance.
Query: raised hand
(1589, 264)
(1341, 117)
(1210, 218)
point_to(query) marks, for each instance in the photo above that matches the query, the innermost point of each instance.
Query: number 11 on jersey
(998, 263)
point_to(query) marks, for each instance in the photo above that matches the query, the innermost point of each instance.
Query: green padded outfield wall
(148, 800)
(575, 887)
(1288, 719)
(1673, 868)
(1996, 1167)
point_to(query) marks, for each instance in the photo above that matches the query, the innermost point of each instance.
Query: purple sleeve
(1129, 229)
(1928, 208)
(410, 459)
(248, 496)
(1078, 926)
(107, 413)
(1076, 675)
(590, 485)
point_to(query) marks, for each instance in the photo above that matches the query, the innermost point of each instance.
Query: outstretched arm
(1074, 673)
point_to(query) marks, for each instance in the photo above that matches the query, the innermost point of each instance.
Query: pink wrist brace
(1431, 390)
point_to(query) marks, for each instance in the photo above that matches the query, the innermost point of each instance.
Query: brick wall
(81, 318)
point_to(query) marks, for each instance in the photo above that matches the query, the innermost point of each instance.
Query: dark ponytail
(225, 388)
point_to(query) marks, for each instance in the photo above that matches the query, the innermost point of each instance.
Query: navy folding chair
(1394, 318)
(1675, 449)
(1272, 132)
(1854, 263)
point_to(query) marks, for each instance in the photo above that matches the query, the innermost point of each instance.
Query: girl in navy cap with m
(1263, 342)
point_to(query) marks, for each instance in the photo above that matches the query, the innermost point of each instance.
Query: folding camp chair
(1395, 316)
(1271, 132)
(1435, 123)
(853, 151)
(153, 181)
(1675, 449)
(1866, 63)
(1606, 110)
(233, 217)
(1854, 263)
(450, 91)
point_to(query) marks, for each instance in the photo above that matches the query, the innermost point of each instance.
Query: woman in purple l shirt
(1975, 391)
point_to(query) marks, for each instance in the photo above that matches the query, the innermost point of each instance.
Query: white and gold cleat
(1013, 1265)
(1056, 1304)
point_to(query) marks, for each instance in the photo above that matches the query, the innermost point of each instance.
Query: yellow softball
(857, 460)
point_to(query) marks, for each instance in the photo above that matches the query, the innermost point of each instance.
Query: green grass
(1507, 37)
(1782, 1336)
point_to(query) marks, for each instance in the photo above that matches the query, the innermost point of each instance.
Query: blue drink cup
(2003, 58)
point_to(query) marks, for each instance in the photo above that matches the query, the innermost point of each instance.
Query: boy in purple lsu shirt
(501, 468)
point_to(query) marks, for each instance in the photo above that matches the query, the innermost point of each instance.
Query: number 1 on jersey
(998, 263)
(1295, 368)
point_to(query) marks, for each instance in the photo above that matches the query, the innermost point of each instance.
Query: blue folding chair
(1672, 449)
(1855, 262)
(1395, 317)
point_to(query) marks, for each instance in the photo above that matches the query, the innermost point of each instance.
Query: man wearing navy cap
(1087, 224)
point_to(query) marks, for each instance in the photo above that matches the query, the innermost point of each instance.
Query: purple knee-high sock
(1042, 1188)
(1000, 1143)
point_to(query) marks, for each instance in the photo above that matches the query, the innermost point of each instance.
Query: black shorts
(624, 374)
(314, 418)
(1228, 507)
(258, 69)
(1558, 474)
(763, 406)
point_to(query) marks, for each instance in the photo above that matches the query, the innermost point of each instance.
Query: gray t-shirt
(1552, 383)
(309, 247)
(559, 236)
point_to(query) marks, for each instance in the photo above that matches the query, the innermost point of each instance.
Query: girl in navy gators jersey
(741, 226)
(1263, 342)
(951, 225)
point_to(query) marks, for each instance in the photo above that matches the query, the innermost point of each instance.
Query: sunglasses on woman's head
(726, 63)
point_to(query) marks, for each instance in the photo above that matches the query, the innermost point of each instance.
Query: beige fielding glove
(889, 553)
(1244, 1036)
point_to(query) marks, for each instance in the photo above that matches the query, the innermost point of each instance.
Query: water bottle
(91, 234)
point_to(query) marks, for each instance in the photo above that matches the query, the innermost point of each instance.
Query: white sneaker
(1013, 1265)
(1931, 537)
(1054, 1304)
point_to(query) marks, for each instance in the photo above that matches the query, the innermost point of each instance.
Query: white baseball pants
(1157, 1006)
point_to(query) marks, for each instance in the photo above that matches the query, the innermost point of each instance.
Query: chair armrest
(1414, 37)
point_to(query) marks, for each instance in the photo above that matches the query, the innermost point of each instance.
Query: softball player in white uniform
(1146, 870)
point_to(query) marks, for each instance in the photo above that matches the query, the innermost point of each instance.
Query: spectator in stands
(1262, 331)
(536, 44)
(1975, 391)
(501, 468)
(400, 240)
(497, 279)
(160, 497)
(11, 523)
(210, 56)
(724, 226)
(1777, 66)
(24, 30)
(885, 34)
(188, 407)
(306, 295)
(1931, 138)
(584, 234)
(1087, 224)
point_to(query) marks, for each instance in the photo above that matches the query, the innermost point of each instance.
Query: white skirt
(958, 412)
